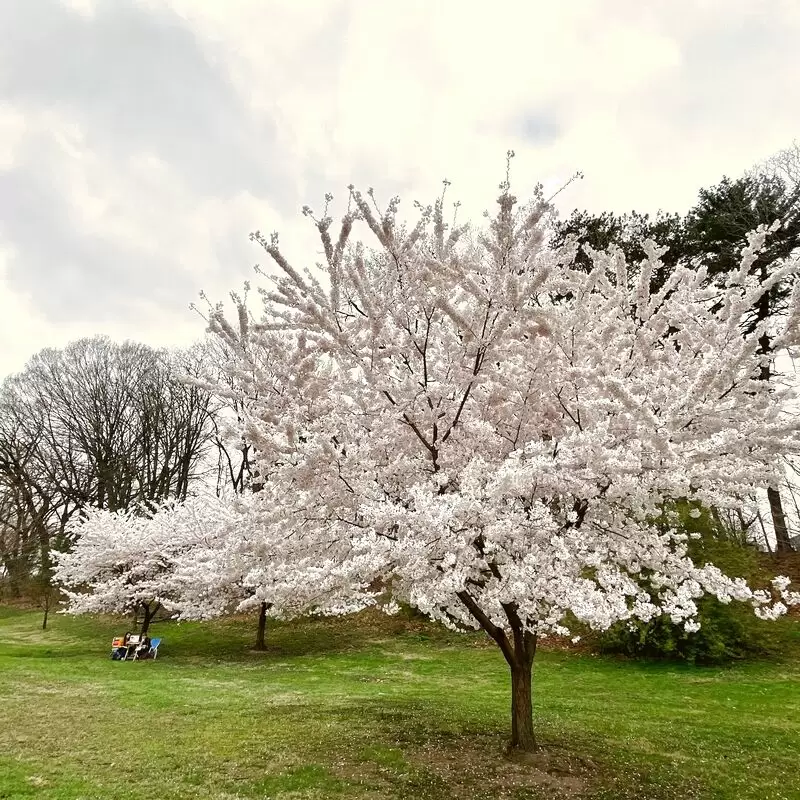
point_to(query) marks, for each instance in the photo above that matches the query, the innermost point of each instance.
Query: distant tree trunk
(46, 608)
(783, 543)
(262, 626)
(46, 565)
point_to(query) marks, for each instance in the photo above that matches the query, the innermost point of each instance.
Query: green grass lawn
(373, 707)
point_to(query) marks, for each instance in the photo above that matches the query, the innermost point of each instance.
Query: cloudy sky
(142, 140)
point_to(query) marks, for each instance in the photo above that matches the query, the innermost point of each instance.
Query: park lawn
(373, 707)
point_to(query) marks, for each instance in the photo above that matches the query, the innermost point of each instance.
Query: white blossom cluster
(124, 559)
(196, 560)
(467, 422)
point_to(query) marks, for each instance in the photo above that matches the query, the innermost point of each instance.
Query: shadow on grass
(233, 640)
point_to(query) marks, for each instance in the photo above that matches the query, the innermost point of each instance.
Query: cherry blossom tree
(126, 561)
(96, 423)
(486, 432)
(247, 561)
(197, 560)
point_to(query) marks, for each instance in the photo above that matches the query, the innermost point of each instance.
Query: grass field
(373, 707)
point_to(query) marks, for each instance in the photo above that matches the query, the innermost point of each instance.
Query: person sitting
(143, 648)
(119, 647)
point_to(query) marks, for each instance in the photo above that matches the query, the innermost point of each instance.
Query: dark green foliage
(728, 632)
(712, 233)
(717, 226)
(628, 232)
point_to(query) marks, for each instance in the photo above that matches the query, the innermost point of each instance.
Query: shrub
(727, 632)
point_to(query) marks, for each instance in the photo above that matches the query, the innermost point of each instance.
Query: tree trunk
(519, 652)
(149, 613)
(46, 609)
(46, 575)
(522, 737)
(782, 542)
(262, 627)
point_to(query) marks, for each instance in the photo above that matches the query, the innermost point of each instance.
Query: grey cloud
(735, 69)
(70, 274)
(538, 128)
(137, 79)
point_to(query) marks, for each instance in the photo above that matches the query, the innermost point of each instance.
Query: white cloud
(406, 95)
(12, 130)
(173, 129)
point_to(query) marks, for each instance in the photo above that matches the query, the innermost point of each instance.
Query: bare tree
(785, 165)
(95, 424)
(231, 455)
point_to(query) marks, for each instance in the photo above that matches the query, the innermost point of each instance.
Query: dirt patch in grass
(482, 766)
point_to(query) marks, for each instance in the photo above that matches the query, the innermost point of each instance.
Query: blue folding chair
(154, 643)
